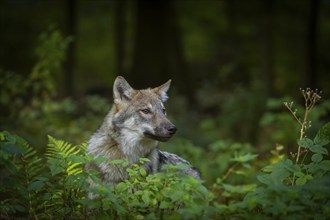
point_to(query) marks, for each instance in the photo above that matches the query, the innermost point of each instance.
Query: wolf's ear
(162, 90)
(122, 91)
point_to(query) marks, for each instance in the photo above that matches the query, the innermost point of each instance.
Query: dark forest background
(232, 62)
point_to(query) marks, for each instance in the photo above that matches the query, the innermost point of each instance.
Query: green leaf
(35, 186)
(295, 168)
(74, 169)
(143, 171)
(319, 149)
(268, 169)
(323, 135)
(305, 143)
(144, 160)
(60, 155)
(41, 178)
(146, 197)
(317, 158)
(279, 175)
(10, 138)
(2, 136)
(19, 208)
(177, 195)
(165, 205)
(77, 159)
(299, 174)
(301, 181)
(246, 165)
(265, 179)
(99, 160)
(244, 158)
(116, 162)
(122, 187)
(325, 165)
(55, 166)
(313, 167)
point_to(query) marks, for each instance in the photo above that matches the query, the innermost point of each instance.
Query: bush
(54, 183)
(60, 189)
(286, 190)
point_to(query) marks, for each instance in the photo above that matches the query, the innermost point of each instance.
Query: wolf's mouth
(161, 138)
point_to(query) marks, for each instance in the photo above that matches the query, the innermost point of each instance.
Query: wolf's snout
(162, 133)
(171, 129)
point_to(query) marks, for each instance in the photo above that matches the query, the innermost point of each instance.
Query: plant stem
(229, 171)
(303, 127)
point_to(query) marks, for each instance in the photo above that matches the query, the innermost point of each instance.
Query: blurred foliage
(30, 107)
(238, 42)
(41, 83)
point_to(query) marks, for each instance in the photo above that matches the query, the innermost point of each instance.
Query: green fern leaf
(59, 153)
(23, 167)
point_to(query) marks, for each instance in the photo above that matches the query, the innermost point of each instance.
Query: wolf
(131, 130)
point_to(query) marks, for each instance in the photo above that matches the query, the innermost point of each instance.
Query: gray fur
(169, 158)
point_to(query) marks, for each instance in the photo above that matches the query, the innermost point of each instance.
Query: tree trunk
(120, 26)
(311, 76)
(158, 52)
(150, 54)
(71, 31)
(267, 51)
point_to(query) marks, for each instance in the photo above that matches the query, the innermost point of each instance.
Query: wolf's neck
(133, 147)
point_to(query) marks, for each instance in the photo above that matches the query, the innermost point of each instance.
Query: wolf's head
(141, 113)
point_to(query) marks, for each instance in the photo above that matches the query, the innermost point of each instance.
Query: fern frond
(57, 148)
(74, 169)
(83, 147)
(66, 163)
(23, 167)
(24, 156)
(60, 153)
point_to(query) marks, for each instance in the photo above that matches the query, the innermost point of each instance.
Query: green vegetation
(286, 189)
(292, 186)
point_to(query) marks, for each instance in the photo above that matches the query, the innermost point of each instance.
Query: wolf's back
(173, 159)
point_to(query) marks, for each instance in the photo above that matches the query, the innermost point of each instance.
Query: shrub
(60, 188)
(54, 184)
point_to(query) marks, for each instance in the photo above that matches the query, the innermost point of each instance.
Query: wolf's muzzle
(171, 129)
(162, 134)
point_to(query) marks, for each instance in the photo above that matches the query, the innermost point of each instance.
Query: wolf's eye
(164, 111)
(145, 111)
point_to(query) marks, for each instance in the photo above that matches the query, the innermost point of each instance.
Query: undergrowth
(54, 184)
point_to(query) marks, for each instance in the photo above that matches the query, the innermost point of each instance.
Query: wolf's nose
(171, 129)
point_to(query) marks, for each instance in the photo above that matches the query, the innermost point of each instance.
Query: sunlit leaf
(244, 158)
